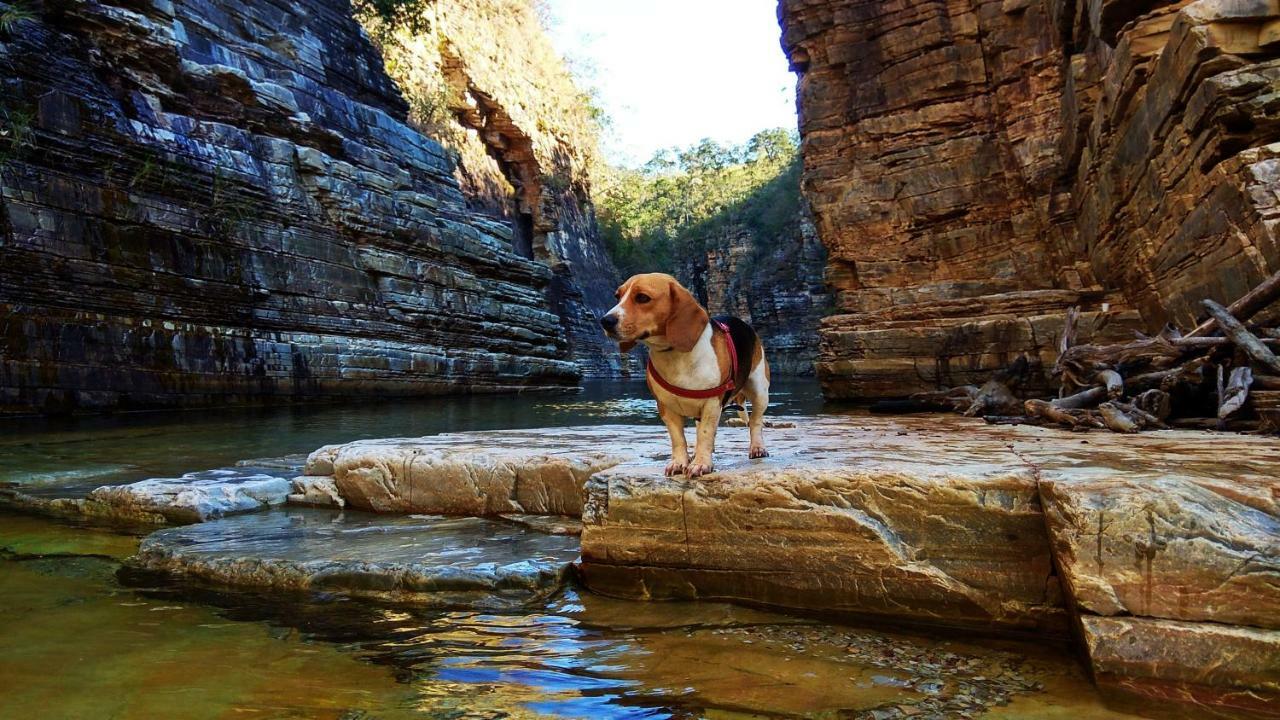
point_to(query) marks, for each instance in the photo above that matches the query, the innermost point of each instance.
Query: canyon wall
(771, 278)
(216, 201)
(482, 76)
(977, 167)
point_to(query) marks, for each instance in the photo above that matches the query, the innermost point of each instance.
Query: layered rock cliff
(977, 167)
(481, 76)
(221, 201)
(771, 279)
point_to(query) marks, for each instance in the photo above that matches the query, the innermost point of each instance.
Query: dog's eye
(642, 298)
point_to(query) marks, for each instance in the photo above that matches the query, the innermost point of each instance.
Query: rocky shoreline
(1148, 552)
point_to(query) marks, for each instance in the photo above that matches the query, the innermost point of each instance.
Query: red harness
(720, 389)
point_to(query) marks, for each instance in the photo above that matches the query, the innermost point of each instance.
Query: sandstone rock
(1221, 667)
(1185, 543)
(960, 154)
(859, 515)
(436, 561)
(843, 517)
(528, 472)
(318, 491)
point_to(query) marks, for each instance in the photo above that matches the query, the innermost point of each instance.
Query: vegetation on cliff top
(471, 68)
(680, 201)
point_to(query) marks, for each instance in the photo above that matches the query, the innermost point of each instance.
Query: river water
(82, 638)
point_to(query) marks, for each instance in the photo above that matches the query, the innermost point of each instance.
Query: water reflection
(77, 453)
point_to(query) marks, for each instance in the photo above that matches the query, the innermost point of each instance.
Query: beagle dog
(697, 364)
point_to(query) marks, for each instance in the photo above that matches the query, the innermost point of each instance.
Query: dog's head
(655, 305)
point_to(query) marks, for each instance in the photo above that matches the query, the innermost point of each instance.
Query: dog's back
(744, 340)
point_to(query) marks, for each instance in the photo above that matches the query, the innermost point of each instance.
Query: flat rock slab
(426, 560)
(538, 472)
(1220, 666)
(201, 496)
(846, 516)
(937, 520)
(943, 518)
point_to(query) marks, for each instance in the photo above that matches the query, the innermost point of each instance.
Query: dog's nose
(609, 322)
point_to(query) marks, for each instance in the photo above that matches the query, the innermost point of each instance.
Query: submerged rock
(432, 560)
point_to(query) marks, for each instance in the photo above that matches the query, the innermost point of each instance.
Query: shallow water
(82, 638)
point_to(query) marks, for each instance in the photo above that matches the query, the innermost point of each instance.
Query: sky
(672, 72)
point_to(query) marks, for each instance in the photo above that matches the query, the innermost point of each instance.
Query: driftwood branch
(1232, 397)
(1112, 381)
(1083, 399)
(1241, 336)
(1246, 306)
(1145, 383)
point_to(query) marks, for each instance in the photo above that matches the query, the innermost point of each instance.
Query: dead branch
(1112, 381)
(994, 398)
(1082, 399)
(1117, 420)
(1246, 306)
(1236, 392)
(1241, 336)
(1156, 402)
(1084, 361)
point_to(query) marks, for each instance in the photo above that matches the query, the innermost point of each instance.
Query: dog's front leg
(705, 447)
(679, 448)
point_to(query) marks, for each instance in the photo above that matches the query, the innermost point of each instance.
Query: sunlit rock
(318, 491)
(1180, 544)
(539, 472)
(842, 517)
(432, 560)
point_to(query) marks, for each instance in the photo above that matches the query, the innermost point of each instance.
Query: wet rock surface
(200, 496)
(1228, 667)
(417, 559)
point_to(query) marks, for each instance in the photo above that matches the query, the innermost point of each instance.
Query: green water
(82, 638)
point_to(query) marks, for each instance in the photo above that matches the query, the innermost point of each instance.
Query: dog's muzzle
(609, 323)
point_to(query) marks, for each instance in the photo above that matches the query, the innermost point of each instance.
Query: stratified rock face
(221, 201)
(977, 151)
(424, 560)
(484, 76)
(774, 283)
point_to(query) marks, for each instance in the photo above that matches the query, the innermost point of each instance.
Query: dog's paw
(675, 468)
(698, 469)
(758, 451)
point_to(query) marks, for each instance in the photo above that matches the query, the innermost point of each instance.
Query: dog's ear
(686, 321)
(626, 345)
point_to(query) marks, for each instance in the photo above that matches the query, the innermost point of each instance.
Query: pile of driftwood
(1223, 374)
